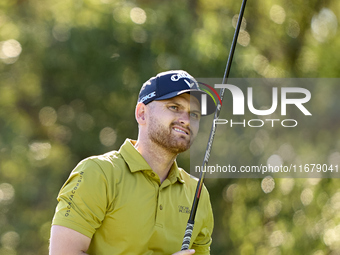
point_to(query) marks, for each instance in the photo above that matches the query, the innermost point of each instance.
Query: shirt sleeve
(203, 240)
(83, 199)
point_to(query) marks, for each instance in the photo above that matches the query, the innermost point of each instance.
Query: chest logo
(183, 209)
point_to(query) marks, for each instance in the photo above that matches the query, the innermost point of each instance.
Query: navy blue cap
(170, 84)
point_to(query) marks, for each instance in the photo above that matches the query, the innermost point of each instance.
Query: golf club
(191, 221)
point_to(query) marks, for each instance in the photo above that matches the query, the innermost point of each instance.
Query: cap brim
(211, 106)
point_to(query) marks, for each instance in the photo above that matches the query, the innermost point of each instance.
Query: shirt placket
(160, 196)
(160, 208)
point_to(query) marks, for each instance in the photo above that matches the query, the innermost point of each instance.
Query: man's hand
(186, 252)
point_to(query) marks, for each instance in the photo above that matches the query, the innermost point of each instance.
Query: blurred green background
(70, 73)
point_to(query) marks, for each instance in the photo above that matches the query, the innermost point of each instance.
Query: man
(136, 200)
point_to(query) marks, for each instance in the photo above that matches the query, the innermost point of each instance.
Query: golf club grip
(187, 235)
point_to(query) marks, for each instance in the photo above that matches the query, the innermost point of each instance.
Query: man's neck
(159, 159)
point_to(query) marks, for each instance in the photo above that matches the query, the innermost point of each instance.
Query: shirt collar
(136, 162)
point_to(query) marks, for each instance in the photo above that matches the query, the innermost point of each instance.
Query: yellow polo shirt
(118, 201)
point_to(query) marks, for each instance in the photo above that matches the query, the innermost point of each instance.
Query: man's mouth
(183, 131)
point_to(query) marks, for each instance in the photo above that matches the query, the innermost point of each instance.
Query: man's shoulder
(106, 162)
(187, 177)
(111, 156)
(190, 180)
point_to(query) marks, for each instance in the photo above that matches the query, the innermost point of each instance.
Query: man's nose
(185, 118)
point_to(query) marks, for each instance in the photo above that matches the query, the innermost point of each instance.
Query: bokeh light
(293, 28)
(274, 160)
(286, 152)
(47, 116)
(61, 32)
(121, 13)
(60, 133)
(277, 14)
(273, 208)
(10, 240)
(260, 64)
(276, 238)
(10, 51)
(7, 193)
(229, 192)
(299, 218)
(40, 150)
(243, 23)
(138, 15)
(107, 136)
(287, 185)
(268, 184)
(85, 122)
(243, 38)
(331, 237)
(11, 48)
(66, 113)
(324, 25)
(306, 196)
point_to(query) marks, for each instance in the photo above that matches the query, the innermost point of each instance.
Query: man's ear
(140, 113)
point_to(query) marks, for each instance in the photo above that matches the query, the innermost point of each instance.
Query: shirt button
(152, 174)
(161, 207)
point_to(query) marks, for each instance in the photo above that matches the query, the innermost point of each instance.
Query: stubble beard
(165, 138)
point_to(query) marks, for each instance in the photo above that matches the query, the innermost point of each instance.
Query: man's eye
(173, 107)
(194, 115)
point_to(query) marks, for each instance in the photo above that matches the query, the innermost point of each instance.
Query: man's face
(173, 123)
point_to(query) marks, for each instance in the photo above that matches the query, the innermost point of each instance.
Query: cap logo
(148, 96)
(189, 84)
(180, 75)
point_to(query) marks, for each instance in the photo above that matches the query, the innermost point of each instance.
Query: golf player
(137, 200)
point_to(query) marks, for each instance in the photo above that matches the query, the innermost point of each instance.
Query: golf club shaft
(191, 221)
